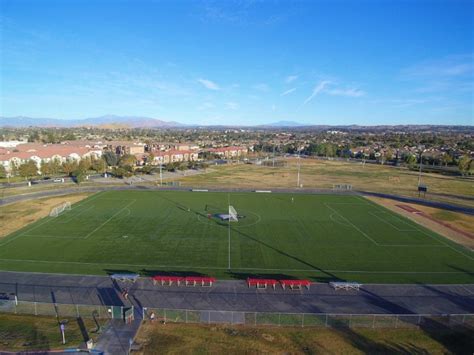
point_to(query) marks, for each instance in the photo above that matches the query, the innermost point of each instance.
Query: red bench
(199, 281)
(167, 280)
(295, 284)
(262, 283)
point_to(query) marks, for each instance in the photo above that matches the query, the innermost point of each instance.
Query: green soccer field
(321, 237)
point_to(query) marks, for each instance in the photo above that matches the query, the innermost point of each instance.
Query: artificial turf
(320, 237)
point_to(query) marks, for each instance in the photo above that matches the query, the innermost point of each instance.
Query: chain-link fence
(309, 319)
(60, 310)
(245, 318)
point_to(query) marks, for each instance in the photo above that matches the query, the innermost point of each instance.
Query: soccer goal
(233, 216)
(57, 210)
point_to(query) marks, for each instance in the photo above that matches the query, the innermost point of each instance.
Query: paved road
(236, 296)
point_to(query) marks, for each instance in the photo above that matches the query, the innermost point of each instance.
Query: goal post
(233, 216)
(57, 210)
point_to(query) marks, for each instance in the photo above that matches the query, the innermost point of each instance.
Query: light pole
(421, 162)
(299, 167)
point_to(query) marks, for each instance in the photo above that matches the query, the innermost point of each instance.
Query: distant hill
(284, 124)
(102, 121)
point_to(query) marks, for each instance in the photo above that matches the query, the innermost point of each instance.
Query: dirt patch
(18, 215)
(457, 227)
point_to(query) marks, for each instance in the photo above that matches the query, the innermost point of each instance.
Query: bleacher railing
(333, 320)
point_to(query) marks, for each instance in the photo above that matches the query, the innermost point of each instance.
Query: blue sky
(243, 62)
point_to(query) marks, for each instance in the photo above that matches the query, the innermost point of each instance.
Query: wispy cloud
(206, 106)
(287, 92)
(351, 92)
(291, 78)
(232, 105)
(208, 84)
(451, 66)
(261, 87)
(317, 89)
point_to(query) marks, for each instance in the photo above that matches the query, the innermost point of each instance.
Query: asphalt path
(236, 296)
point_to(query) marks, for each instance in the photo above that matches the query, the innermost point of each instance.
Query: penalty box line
(352, 224)
(108, 220)
(87, 200)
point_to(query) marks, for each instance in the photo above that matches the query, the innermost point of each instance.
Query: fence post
(419, 320)
(16, 305)
(373, 321)
(164, 314)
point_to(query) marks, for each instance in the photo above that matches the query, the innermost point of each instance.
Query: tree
(99, 165)
(464, 165)
(411, 160)
(69, 167)
(446, 159)
(151, 159)
(128, 160)
(46, 168)
(79, 175)
(110, 158)
(3, 172)
(85, 164)
(28, 169)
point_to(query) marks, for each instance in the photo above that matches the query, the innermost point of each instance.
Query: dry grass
(18, 215)
(323, 174)
(23, 332)
(458, 220)
(207, 339)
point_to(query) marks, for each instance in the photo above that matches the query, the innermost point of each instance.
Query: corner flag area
(277, 236)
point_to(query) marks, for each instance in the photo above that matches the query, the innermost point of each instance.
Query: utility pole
(421, 162)
(299, 168)
(273, 155)
(161, 174)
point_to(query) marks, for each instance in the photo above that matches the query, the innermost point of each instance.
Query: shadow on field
(151, 273)
(328, 276)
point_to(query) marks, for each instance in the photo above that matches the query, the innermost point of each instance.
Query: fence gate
(116, 312)
(128, 315)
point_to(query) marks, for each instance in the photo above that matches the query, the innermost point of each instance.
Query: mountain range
(110, 121)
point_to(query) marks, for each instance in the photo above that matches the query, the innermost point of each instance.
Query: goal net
(56, 211)
(233, 217)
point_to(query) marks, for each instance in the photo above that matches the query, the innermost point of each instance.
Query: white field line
(432, 237)
(376, 215)
(446, 244)
(352, 224)
(27, 231)
(51, 236)
(238, 268)
(47, 220)
(108, 220)
(75, 215)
